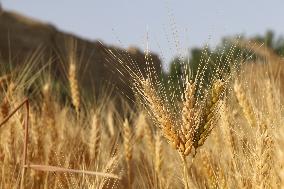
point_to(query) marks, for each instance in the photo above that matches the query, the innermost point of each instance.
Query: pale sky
(127, 22)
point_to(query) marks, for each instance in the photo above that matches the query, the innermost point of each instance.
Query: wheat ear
(245, 104)
(166, 123)
(127, 149)
(158, 153)
(95, 137)
(188, 118)
(149, 140)
(74, 87)
(208, 114)
(264, 157)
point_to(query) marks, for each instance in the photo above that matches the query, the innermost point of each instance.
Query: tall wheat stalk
(198, 120)
(95, 137)
(158, 154)
(73, 78)
(245, 104)
(127, 149)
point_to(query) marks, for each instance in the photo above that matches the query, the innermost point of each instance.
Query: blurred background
(126, 23)
(173, 31)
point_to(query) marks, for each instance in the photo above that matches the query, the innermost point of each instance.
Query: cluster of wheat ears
(225, 133)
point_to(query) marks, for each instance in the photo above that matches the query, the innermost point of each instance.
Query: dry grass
(227, 135)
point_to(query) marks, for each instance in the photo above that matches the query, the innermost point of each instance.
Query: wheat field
(228, 133)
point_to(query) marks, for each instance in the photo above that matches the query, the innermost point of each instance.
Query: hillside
(21, 36)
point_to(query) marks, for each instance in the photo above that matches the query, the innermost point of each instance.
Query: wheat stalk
(5, 104)
(48, 168)
(158, 153)
(264, 157)
(245, 104)
(73, 81)
(208, 170)
(149, 140)
(127, 149)
(188, 118)
(95, 137)
(197, 122)
(161, 114)
(48, 111)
